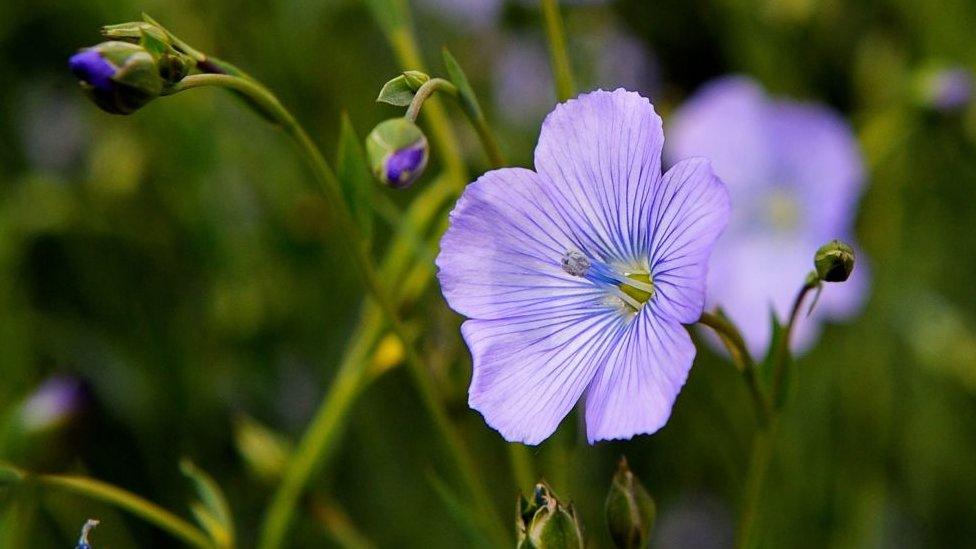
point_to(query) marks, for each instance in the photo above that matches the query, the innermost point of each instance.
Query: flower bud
(834, 261)
(415, 79)
(629, 509)
(55, 403)
(544, 523)
(944, 88)
(397, 151)
(118, 76)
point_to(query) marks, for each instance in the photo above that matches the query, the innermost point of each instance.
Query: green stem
(764, 440)
(558, 55)
(522, 466)
(781, 353)
(762, 450)
(127, 501)
(485, 135)
(736, 345)
(281, 510)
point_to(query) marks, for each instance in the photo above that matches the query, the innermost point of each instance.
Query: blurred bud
(397, 151)
(944, 88)
(834, 261)
(544, 523)
(86, 529)
(118, 76)
(415, 79)
(630, 509)
(265, 452)
(56, 402)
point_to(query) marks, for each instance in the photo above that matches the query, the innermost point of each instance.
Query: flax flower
(576, 278)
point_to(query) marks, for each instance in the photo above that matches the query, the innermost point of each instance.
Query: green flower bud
(397, 151)
(834, 261)
(630, 509)
(415, 79)
(118, 76)
(544, 523)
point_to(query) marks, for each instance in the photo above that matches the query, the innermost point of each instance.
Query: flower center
(634, 289)
(782, 211)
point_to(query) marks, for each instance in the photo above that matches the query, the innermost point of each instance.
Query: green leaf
(468, 99)
(152, 43)
(355, 178)
(396, 92)
(212, 511)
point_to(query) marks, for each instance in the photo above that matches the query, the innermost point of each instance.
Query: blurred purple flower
(53, 403)
(577, 277)
(480, 14)
(949, 89)
(523, 86)
(795, 174)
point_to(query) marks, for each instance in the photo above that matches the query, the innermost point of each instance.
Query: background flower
(795, 174)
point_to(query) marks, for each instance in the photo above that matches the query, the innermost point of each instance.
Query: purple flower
(949, 89)
(795, 173)
(90, 67)
(577, 277)
(53, 403)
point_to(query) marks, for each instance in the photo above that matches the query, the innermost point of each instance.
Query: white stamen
(575, 263)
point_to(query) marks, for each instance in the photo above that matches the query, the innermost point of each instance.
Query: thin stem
(485, 135)
(283, 504)
(425, 91)
(130, 502)
(762, 450)
(764, 440)
(558, 55)
(781, 356)
(736, 345)
(522, 466)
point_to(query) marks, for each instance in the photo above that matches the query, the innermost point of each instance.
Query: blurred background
(170, 287)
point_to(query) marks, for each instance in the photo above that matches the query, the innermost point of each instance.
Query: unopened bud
(118, 76)
(834, 261)
(415, 79)
(398, 152)
(545, 523)
(629, 509)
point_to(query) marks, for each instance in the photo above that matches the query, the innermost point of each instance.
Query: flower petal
(635, 388)
(530, 371)
(501, 254)
(689, 210)
(599, 156)
(818, 157)
(725, 121)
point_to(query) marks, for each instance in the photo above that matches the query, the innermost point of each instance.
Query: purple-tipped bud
(90, 67)
(397, 151)
(55, 402)
(118, 76)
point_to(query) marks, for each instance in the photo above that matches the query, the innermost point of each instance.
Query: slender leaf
(468, 99)
(357, 184)
(212, 511)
